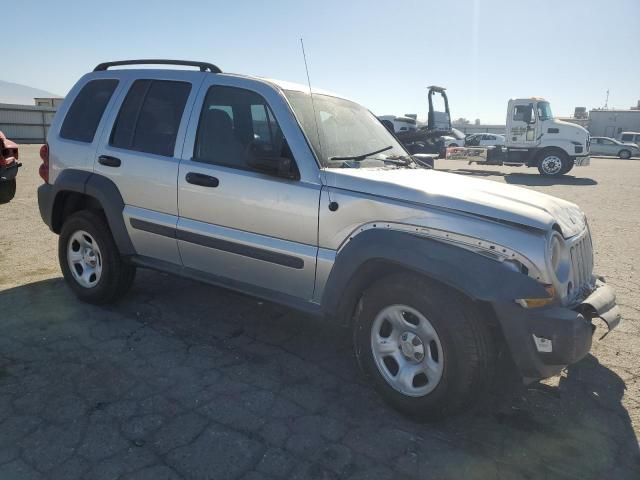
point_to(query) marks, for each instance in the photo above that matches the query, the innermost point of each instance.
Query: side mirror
(262, 156)
(278, 166)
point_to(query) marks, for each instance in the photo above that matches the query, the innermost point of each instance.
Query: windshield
(544, 111)
(345, 128)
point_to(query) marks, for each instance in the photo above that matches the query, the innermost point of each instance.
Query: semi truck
(532, 138)
(535, 139)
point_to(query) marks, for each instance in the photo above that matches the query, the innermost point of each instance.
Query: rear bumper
(543, 341)
(9, 172)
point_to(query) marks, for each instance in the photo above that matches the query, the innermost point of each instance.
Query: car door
(609, 147)
(138, 153)
(595, 147)
(523, 126)
(240, 221)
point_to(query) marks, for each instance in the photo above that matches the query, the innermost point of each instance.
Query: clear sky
(380, 53)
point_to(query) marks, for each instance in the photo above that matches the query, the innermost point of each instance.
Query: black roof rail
(204, 66)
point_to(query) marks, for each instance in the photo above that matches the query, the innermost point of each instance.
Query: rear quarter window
(85, 112)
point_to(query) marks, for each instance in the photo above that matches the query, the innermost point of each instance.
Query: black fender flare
(477, 276)
(99, 187)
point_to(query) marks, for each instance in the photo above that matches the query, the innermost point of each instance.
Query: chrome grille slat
(581, 262)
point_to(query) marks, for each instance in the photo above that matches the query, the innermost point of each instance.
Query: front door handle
(202, 179)
(109, 161)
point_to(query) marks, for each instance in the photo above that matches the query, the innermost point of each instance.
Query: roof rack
(204, 66)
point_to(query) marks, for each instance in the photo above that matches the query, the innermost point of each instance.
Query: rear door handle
(202, 179)
(109, 161)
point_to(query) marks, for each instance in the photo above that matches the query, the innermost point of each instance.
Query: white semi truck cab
(535, 139)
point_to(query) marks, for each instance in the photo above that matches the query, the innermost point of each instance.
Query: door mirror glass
(263, 156)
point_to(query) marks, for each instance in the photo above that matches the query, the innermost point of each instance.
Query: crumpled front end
(545, 340)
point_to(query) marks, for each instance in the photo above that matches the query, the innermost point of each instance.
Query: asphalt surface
(183, 380)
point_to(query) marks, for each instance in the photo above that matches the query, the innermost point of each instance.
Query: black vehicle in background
(429, 138)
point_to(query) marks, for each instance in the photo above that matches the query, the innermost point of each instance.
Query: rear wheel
(90, 260)
(426, 348)
(624, 154)
(7, 191)
(552, 163)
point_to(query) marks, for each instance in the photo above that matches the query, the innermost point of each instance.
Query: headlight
(558, 257)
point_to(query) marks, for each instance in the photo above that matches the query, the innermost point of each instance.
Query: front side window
(85, 112)
(150, 116)
(237, 129)
(341, 128)
(523, 113)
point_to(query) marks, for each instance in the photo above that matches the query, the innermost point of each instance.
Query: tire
(7, 191)
(99, 274)
(624, 154)
(551, 163)
(568, 167)
(460, 348)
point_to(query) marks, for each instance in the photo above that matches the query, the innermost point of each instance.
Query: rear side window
(150, 115)
(85, 112)
(627, 138)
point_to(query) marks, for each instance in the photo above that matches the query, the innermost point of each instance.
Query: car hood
(483, 198)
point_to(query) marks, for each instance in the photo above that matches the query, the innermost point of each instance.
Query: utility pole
(606, 102)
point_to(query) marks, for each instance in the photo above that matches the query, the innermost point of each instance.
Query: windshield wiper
(359, 158)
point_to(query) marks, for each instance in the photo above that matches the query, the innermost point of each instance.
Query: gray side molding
(104, 191)
(479, 277)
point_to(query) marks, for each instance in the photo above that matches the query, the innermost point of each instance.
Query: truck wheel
(7, 191)
(624, 154)
(426, 348)
(90, 261)
(568, 167)
(552, 163)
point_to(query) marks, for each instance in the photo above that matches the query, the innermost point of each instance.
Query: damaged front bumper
(543, 341)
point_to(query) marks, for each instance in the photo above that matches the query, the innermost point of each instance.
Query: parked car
(630, 137)
(456, 139)
(9, 166)
(483, 140)
(257, 186)
(611, 146)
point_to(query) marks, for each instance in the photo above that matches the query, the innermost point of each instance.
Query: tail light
(44, 167)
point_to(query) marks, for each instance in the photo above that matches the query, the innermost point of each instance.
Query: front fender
(475, 275)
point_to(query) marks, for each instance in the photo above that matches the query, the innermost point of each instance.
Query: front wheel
(624, 154)
(7, 191)
(553, 163)
(426, 348)
(90, 260)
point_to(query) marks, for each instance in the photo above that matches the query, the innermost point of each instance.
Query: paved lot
(182, 380)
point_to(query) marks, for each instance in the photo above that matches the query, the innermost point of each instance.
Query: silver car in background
(612, 147)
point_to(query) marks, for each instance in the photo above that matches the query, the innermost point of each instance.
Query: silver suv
(306, 199)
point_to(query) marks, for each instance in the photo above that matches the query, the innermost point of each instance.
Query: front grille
(582, 263)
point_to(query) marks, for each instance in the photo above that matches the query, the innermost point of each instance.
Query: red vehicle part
(8, 151)
(8, 168)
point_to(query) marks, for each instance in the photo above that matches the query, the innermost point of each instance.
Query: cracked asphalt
(185, 381)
